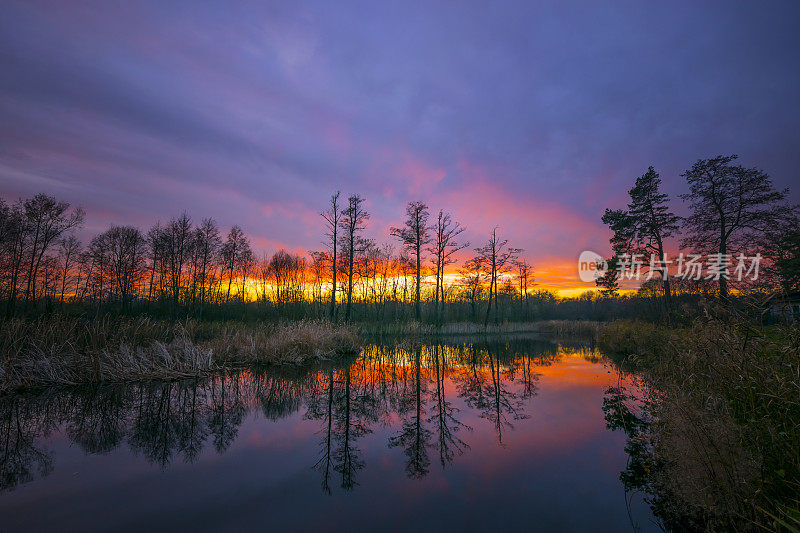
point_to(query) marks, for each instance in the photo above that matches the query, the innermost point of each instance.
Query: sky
(530, 116)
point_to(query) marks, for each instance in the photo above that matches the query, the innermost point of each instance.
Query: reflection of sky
(530, 116)
(557, 469)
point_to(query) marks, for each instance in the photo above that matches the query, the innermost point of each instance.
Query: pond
(499, 435)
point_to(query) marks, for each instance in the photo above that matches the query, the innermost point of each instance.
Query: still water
(501, 435)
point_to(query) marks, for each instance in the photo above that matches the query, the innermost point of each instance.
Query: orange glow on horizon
(560, 279)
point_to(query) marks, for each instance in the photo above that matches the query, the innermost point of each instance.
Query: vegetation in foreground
(71, 350)
(80, 350)
(418, 329)
(724, 442)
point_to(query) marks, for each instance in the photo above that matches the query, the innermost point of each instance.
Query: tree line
(183, 267)
(732, 210)
(177, 264)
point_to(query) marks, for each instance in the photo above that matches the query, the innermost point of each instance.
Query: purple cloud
(531, 116)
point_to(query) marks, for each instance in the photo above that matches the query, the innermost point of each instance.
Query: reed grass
(298, 342)
(582, 328)
(78, 350)
(558, 327)
(726, 405)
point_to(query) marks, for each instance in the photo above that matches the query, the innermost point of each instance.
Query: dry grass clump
(290, 343)
(71, 351)
(79, 350)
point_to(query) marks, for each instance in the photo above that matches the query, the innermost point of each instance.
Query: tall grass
(726, 405)
(583, 328)
(417, 329)
(297, 342)
(556, 327)
(78, 350)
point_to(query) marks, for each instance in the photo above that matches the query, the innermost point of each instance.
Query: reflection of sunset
(397, 427)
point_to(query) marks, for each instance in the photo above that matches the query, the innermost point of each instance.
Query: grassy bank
(78, 350)
(725, 441)
(416, 329)
(71, 350)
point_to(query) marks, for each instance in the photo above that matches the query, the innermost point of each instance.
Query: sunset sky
(532, 116)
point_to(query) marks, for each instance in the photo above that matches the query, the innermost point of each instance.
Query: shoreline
(72, 351)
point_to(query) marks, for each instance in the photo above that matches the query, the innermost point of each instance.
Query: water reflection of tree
(20, 425)
(444, 414)
(414, 438)
(168, 421)
(97, 422)
(320, 407)
(195, 430)
(227, 412)
(349, 425)
(278, 395)
(346, 414)
(623, 412)
(155, 428)
(523, 370)
(486, 387)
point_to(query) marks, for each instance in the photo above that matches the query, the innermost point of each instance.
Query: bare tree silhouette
(445, 233)
(414, 235)
(332, 219)
(414, 437)
(497, 257)
(353, 221)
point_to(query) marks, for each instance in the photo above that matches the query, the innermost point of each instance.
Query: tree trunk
(418, 310)
(350, 279)
(332, 313)
(489, 306)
